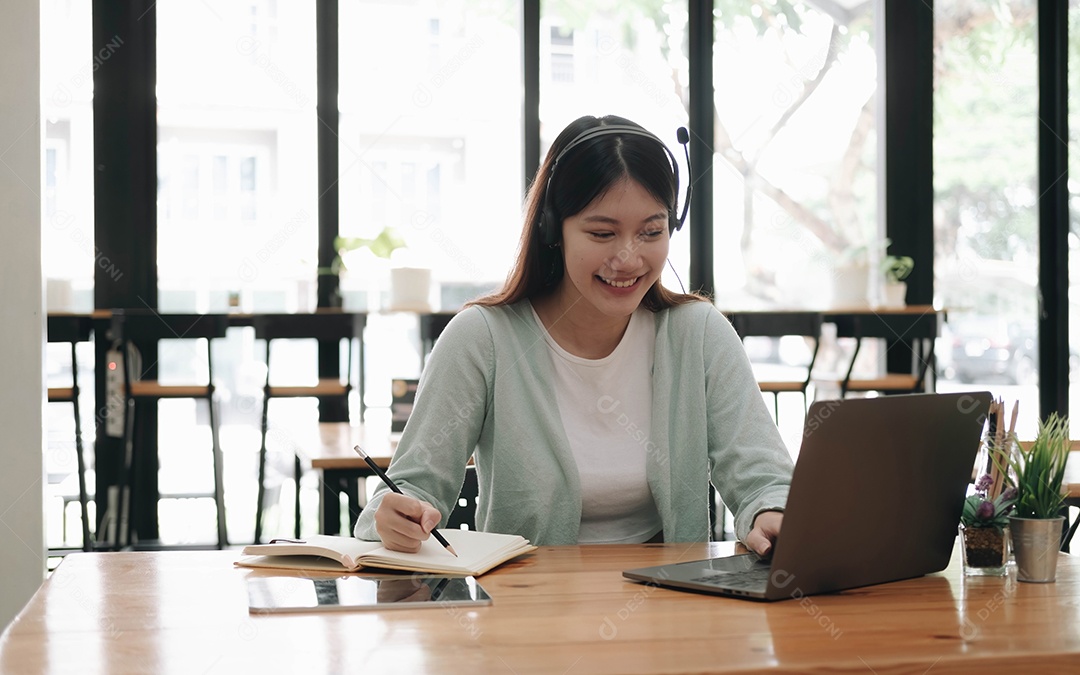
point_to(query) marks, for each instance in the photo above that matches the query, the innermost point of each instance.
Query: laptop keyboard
(749, 580)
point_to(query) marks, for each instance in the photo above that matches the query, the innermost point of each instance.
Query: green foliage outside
(985, 123)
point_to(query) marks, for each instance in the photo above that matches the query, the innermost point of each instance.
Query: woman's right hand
(403, 522)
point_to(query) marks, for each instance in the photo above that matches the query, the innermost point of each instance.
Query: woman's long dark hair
(584, 174)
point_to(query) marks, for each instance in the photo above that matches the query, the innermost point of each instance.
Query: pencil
(390, 484)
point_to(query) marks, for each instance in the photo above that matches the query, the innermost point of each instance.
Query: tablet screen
(346, 593)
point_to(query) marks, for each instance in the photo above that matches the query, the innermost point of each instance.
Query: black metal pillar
(1053, 125)
(530, 62)
(909, 144)
(332, 409)
(125, 224)
(702, 133)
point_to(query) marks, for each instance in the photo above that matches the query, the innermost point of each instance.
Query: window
(67, 239)
(626, 59)
(67, 65)
(796, 163)
(237, 219)
(986, 200)
(562, 55)
(236, 156)
(432, 146)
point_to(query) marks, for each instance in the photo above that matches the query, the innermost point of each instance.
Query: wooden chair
(912, 331)
(776, 325)
(464, 512)
(73, 329)
(135, 327)
(431, 327)
(324, 326)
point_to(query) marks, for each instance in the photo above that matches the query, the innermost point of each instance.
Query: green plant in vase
(895, 269)
(1038, 474)
(983, 522)
(1040, 470)
(381, 246)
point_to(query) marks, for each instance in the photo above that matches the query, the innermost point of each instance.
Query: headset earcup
(549, 232)
(673, 222)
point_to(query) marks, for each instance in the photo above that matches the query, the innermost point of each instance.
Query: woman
(596, 403)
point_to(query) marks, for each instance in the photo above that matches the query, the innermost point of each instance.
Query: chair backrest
(140, 326)
(431, 327)
(317, 325)
(777, 324)
(782, 324)
(328, 325)
(146, 324)
(464, 512)
(916, 330)
(895, 326)
(68, 328)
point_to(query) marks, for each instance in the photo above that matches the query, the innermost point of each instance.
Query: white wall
(22, 397)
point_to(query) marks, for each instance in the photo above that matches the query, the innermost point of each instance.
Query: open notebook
(478, 552)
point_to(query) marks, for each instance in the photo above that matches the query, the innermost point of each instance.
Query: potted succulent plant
(984, 524)
(359, 262)
(1038, 473)
(852, 275)
(895, 269)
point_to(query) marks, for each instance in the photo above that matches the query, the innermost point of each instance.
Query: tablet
(273, 594)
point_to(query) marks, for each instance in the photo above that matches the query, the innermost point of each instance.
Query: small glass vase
(986, 551)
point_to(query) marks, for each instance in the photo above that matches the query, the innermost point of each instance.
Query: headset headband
(549, 230)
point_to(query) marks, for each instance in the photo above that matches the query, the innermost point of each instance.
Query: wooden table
(344, 472)
(557, 610)
(342, 469)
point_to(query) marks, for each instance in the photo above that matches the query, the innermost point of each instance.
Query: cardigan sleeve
(751, 466)
(446, 421)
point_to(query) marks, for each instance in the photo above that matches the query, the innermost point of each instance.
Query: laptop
(876, 496)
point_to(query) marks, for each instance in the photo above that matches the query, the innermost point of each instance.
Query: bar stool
(73, 329)
(781, 324)
(132, 327)
(332, 326)
(912, 331)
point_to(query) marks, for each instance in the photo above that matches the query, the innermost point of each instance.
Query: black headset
(549, 226)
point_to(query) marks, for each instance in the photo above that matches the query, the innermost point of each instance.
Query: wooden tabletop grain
(557, 610)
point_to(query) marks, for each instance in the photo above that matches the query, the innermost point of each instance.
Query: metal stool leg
(262, 472)
(88, 543)
(124, 528)
(219, 482)
(296, 502)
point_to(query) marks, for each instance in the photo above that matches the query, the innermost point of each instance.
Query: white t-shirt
(606, 409)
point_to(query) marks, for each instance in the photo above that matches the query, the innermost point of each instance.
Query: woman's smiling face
(614, 250)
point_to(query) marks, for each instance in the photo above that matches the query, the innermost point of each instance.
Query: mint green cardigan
(487, 392)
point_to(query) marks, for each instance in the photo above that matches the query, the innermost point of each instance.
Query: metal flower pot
(1036, 542)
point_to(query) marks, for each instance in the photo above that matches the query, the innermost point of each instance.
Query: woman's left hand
(766, 527)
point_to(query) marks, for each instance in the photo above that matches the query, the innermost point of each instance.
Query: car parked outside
(988, 349)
